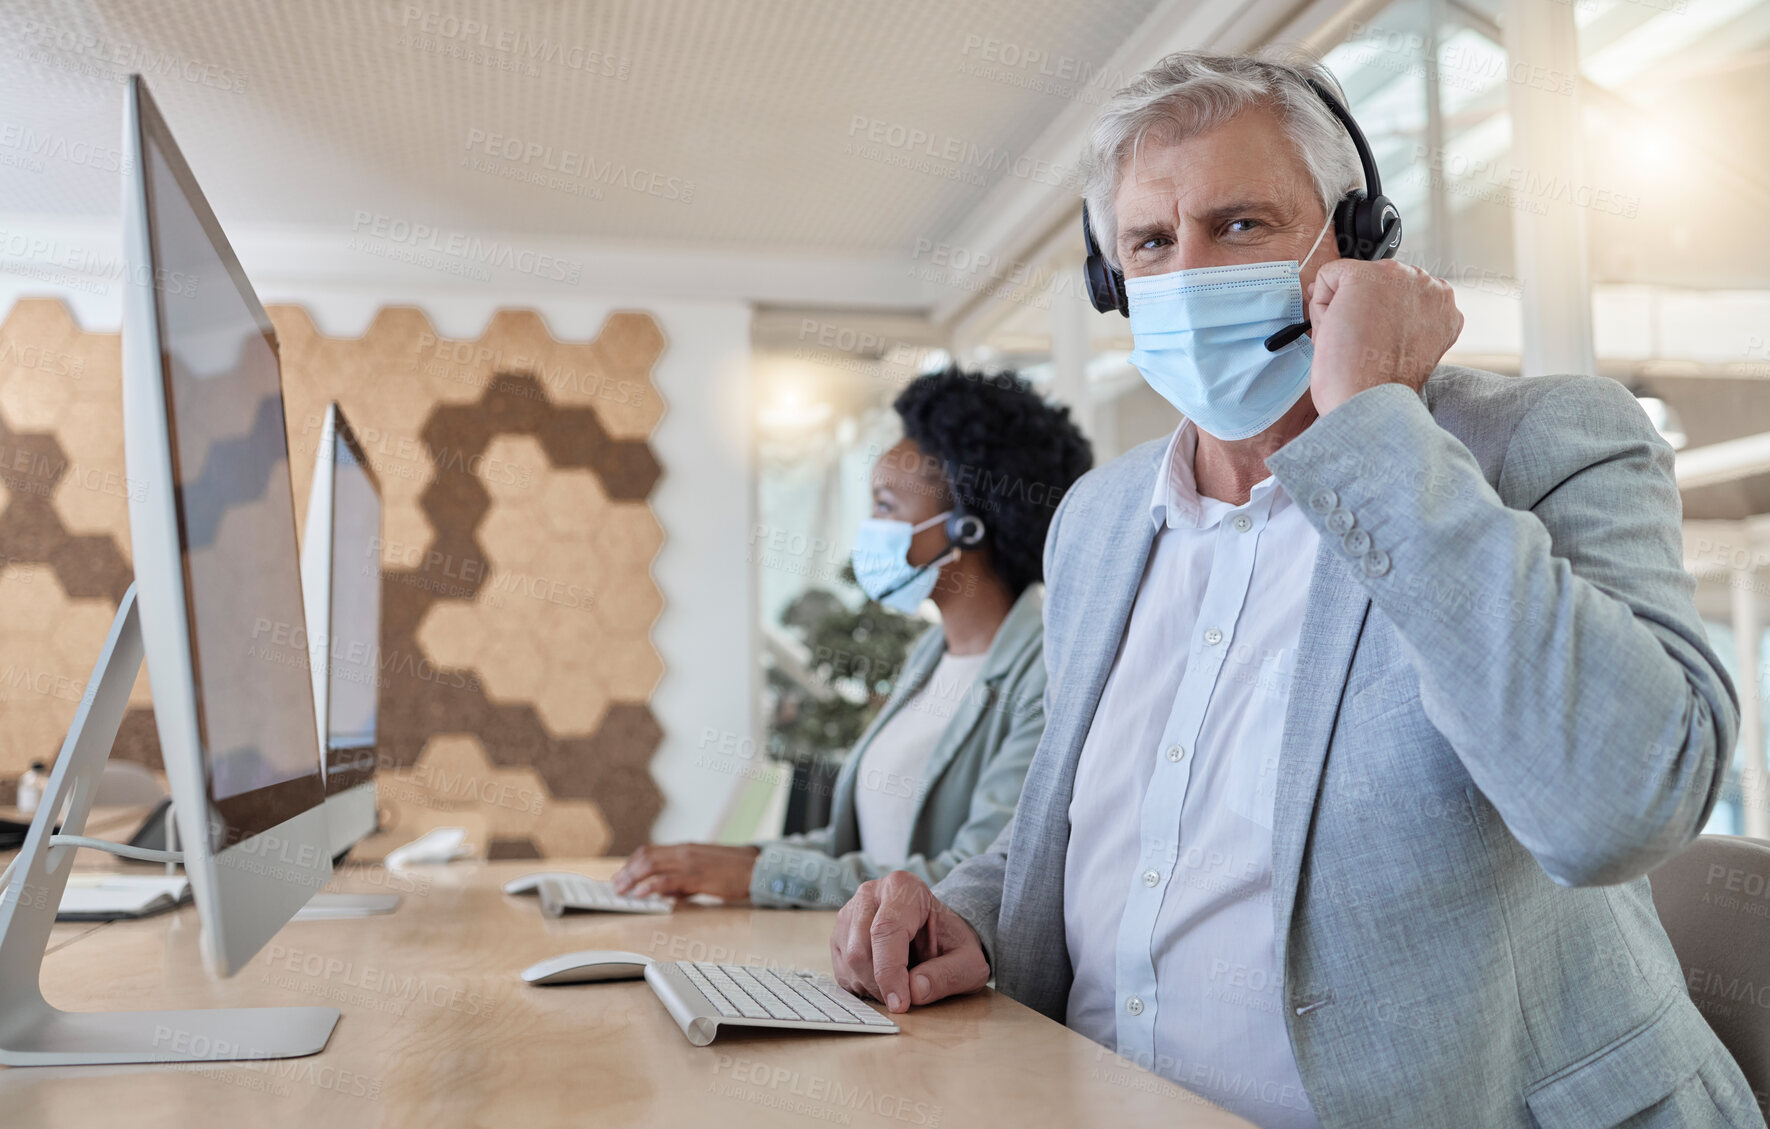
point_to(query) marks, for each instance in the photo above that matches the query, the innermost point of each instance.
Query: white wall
(704, 500)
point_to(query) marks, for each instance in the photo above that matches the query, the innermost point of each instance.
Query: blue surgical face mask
(882, 563)
(1199, 339)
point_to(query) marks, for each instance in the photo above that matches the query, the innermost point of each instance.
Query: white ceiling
(301, 117)
(350, 106)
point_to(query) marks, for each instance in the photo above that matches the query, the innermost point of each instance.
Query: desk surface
(438, 1031)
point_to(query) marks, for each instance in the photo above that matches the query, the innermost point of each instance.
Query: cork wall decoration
(516, 664)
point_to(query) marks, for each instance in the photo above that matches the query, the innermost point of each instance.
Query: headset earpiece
(1106, 286)
(964, 531)
(1366, 228)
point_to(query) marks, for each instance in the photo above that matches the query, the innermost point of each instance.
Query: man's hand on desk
(888, 922)
(688, 868)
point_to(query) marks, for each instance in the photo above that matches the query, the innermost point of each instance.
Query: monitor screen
(354, 619)
(236, 511)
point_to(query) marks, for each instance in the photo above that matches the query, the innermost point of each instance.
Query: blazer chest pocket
(1669, 1071)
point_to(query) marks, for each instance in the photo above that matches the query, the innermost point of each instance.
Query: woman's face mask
(882, 563)
(1199, 339)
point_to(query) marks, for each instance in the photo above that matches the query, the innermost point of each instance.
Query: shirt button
(1376, 562)
(1323, 500)
(1357, 542)
(1175, 752)
(1213, 637)
(1341, 521)
(1134, 1005)
(1243, 523)
(1150, 878)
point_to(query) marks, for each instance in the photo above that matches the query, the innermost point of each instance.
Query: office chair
(1714, 901)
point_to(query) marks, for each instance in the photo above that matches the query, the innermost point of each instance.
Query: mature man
(1374, 692)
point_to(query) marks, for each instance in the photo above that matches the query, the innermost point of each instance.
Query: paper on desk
(121, 893)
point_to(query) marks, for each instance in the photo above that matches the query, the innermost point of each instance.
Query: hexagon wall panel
(517, 541)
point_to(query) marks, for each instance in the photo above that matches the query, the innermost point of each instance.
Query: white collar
(1177, 502)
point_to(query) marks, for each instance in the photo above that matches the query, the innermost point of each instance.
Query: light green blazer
(967, 791)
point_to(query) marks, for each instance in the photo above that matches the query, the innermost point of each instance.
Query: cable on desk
(123, 850)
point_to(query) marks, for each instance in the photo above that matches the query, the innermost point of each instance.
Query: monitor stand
(32, 1033)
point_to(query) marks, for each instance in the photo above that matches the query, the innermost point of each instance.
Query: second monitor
(341, 582)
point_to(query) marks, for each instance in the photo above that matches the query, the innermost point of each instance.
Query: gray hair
(1191, 92)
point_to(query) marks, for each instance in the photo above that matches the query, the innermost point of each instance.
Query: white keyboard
(701, 996)
(560, 892)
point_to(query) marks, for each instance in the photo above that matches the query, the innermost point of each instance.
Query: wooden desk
(439, 1031)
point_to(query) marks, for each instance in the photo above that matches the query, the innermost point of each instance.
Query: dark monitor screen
(235, 506)
(354, 620)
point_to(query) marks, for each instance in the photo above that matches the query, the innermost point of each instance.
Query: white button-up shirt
(1168, 877)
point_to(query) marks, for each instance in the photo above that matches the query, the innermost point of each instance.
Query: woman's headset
(1366, 224)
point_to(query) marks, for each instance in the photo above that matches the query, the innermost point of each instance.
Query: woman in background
(960, 509)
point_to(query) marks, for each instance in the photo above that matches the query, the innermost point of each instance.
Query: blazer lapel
(1333, 620)
(1023, 620)
(1104, 582)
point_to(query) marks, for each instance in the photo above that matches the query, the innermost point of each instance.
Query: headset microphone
(1367, 226)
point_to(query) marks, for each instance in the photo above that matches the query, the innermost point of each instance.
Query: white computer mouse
(438, 845)
(579, 968)
(529, 883)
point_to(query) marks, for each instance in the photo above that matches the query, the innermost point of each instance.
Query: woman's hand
(688, 868)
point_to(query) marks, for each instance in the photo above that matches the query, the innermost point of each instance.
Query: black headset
(1366, 226)
(964, 529)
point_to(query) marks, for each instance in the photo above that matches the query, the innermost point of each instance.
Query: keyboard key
(860, 1012)
(733, 992)
(714, 996)
(776, 1008)
(784, 987)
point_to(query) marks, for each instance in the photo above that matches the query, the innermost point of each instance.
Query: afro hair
(1007, 456)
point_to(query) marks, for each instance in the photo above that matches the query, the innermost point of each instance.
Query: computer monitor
(212, 526)
(341, 585)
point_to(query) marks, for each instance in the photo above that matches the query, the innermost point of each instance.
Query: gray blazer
(1504, 714)
(967, 791)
